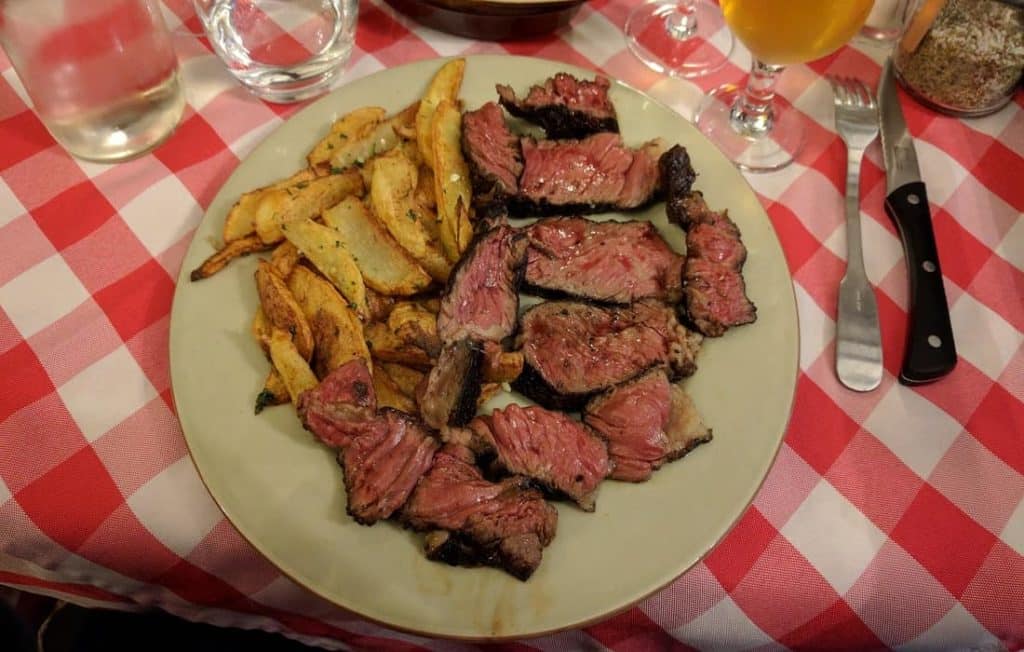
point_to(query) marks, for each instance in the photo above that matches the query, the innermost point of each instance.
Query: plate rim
(183, 282)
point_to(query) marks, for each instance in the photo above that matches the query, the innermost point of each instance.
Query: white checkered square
(724, 621)
(596, 38)
(244, 144)
(915, 429)
(983, 338)
(774, 185)
(827, 522)
(162, 215)
(204, 78)
(10, 207)
(993, 124)
(817, 330)
(106, 393)
(12, 78)
(1012, 246)
(183, 522)
(79, 569)
(1013, 531)
(816, 102)
(958, 630)
(41, 295)
(937, 164)
(882, 250)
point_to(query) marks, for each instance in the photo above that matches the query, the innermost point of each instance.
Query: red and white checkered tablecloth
(890, 519)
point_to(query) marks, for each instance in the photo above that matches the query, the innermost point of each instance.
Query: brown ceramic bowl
(491, 20)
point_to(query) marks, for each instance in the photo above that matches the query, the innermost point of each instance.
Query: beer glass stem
(752, 114)
(682, 24)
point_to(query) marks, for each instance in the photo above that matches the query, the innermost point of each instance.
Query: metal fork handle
(858, 335)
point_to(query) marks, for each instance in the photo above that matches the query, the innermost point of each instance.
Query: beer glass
(754, 130)
(674, 37)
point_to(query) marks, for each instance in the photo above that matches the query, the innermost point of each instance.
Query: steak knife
(930, 350)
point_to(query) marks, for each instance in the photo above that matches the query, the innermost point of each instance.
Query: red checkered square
(44, 427)
(857, 404)
(149, 347)
(24, 135)
(226, 554)
(866, 465)
(892, 319)
(1013, 133)
(9, 335)
(836, 628)
(633, 631)
(79, 485)
(1000, 286)
(818, 138)
(33, 247)
(959, 393)
(389, 41)
(74, 342)
(817, 201)
(789, 482)
(138, 299)
(10, 102)
(989, 225)
(990, 502)
(998, 425)
(961, 255)
(896, 597)
(204, 180)
(1013, 376)
(820, 277)
(23, 540)
(831, 164)
(124, 182)
(234, 114)
(131, 460)
(945, 540)
(124, 545)
(193, 141)
(968, 146)
(818, 429)
(798, 244)
(24, 380)
(42, 176)
(999, 169)
(996, 594)
(73, 214)
(685, 599)
(112, 242)
(196, 585)
(172, 258)
(737, 553)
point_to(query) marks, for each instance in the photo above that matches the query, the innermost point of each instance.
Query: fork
(858, 337)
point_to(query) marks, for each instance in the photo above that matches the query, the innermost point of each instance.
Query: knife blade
(930, 350)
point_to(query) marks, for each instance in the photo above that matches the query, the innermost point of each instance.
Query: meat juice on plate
(102, 74)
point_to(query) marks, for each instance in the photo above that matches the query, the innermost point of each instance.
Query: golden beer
(783, 32)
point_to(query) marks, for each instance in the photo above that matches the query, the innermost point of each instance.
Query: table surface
(890, 519)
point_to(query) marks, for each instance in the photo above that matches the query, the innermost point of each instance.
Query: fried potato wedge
(337, 331)
(294, 369)
(284, 259)
(425, 193)
(303, 201)
(445, 85)
(274, 391)
(220, 259)
(322, 246)
(348, 127)
(282, 310)
(261, 329)
(380, 305)
(414, 324)
(406, 378)
(504, 367)
(391, 196)
(451, 180)
(358, 145)
(241, 219)
(385, 345)
(389, 394)
(386, 267)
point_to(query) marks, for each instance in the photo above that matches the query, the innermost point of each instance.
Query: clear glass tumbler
(281, 50)
(102, 75)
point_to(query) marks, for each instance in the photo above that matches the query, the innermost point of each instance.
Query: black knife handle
(930, 352)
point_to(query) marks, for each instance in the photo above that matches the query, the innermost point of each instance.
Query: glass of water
(281, 50)
(102, 75)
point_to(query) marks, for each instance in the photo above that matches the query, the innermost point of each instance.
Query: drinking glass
(281, 50)
(102, 75)
(754, 130)
(674, 37)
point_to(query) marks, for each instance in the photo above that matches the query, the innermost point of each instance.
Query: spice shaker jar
(962, 57)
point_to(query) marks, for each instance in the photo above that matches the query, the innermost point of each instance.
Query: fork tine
(866, 93)
(853, 88)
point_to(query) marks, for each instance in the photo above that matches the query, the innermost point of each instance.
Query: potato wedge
(385, 345)
(220, 259)
(391, 196)
(261, 329)
(386, 267)
(303, 201)
(348, 127)
(294, 369)
(380, 305)
(451, 180)
(504, 367)
(389, 394)
(406, 378)
(274, 391)
(425, 193)
(322, 246)
(445, 85)
(241, 219)
(414, 324)
(284, 258)
(337, 331)
(365, 142)
(282, 309)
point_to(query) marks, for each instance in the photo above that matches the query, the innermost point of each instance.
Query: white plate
(284, 491)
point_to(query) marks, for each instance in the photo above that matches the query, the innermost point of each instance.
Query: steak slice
(482, 297)
(549, 447)
(564, 106)
(714, 291)
(613, 262)
(453, 386)
(647, 422)
(493, 154)
(342, 407)
(572, 350)
(593, 175)
(476, 522)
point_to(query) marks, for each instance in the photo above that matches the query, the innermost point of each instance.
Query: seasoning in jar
(962, 57)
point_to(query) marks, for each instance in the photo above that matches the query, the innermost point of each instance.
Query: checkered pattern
(891, 519)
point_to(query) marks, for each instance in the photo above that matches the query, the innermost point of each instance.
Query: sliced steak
(549, 447)
(564, 106)
(593, 175)
(476, 522)
(572, 350)
(342, 407)
(714, 291)
(493, 154)
(450, 393)
(647, 422)
(482, 297)
(614, 262)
